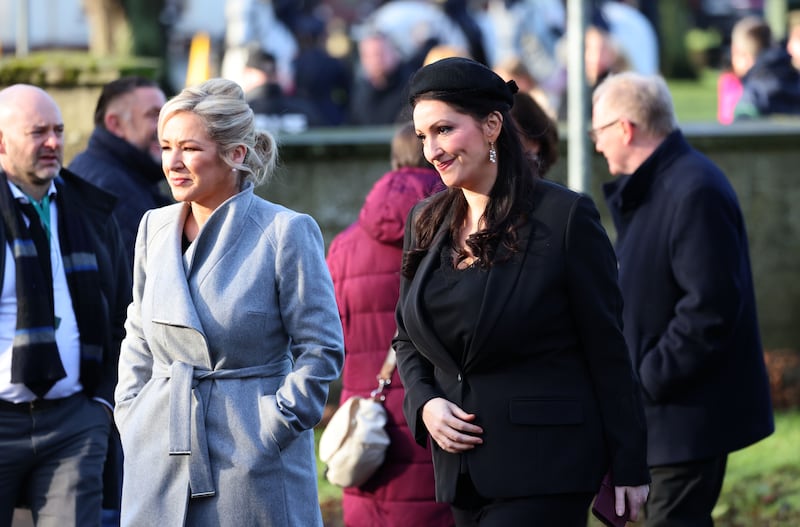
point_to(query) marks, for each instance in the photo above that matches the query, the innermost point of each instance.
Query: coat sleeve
(416, 372)
(118, 300)
(311, 318)
(710, 262)
(597, 308)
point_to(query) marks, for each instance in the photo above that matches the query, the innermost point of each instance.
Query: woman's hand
(635, 497)
(450, 426)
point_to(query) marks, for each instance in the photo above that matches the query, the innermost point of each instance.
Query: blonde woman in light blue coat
(232, 338)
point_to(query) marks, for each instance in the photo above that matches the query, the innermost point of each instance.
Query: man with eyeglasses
(690, 316)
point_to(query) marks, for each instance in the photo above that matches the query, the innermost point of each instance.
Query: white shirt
(67, 335)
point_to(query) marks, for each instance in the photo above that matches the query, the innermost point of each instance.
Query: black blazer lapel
(420, 330)
(500, 285)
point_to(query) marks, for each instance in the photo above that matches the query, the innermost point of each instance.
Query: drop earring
(492, 153)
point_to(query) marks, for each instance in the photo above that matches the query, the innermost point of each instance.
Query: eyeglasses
(594, 131)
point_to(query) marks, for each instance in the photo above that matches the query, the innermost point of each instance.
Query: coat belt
(187, 430)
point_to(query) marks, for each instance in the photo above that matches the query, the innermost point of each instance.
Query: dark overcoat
(95, 206)
(130, 174)
(690, 313)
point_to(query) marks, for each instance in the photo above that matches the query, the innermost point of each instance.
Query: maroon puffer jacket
(364, 261)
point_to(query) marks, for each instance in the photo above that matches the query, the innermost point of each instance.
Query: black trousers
(51, 459)
(564, 510)
(685, 494)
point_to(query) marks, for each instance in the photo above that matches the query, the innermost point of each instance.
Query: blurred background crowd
(314, 63)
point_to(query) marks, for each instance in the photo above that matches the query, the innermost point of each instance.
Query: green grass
(327, 491)
(696, 100)
(773, 453)
(762, 483)
(330, 496)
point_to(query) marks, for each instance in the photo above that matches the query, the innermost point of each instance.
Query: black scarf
(35, 359)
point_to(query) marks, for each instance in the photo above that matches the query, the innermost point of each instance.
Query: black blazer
(547, 374)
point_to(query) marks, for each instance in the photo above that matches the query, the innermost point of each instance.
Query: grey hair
(645, 100)
(229, 122)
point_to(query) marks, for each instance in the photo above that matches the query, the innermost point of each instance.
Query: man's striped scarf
(35, 358)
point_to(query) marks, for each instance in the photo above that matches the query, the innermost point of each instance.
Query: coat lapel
(500, 286)
(173, 301)
(221, 232)
(426, 337)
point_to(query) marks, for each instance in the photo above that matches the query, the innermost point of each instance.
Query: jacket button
(459, 377)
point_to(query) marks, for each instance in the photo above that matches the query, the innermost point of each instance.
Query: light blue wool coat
(225, 368)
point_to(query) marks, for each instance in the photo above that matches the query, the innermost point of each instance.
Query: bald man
(65, 288)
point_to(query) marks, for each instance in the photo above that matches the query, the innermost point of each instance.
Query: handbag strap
(385, 375)
(389, 365)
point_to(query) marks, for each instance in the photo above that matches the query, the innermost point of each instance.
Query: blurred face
(136, 119)
(793, 45)
(457, 145)
(599, 55)
(31, 138)
(741, 60)
(378, 58)
(607, 134)
(191, 162)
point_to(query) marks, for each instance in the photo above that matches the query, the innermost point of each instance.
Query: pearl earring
(492, 153)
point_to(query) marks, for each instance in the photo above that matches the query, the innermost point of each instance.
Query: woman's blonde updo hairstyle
(229, 122)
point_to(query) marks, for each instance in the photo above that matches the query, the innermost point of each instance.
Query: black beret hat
(462, 76)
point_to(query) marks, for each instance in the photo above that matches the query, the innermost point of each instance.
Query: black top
(453, 299)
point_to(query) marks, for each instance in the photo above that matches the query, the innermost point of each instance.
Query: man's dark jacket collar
(627, 192)
(138, 163)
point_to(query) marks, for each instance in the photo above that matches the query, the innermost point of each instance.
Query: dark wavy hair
(510, 199)
(535, 125)
(116, 89)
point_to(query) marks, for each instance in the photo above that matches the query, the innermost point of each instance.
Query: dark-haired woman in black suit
(509, 340)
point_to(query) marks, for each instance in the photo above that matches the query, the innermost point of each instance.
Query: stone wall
(77, 109)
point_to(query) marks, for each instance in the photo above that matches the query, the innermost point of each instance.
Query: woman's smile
(441, 166)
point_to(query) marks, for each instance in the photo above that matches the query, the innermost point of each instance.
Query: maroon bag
(603, 507)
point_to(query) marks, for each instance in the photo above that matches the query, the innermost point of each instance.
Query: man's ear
(113, 123)
(493, 124)
(628, 129)
(2, 143)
